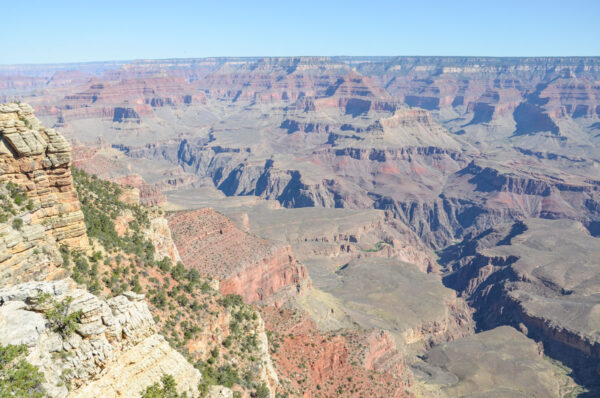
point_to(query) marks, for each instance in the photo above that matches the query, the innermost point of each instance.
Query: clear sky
(48, 31)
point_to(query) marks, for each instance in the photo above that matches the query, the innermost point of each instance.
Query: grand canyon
(301, 227)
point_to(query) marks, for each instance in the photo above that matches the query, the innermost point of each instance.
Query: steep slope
(224, 338)
(348, 363)
(256, 269)
(83, 344)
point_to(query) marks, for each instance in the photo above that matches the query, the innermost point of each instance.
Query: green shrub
(60, 319)
(18, 378)
(166, 389)
(262, 391)
(178, 272)
(231, 300)
(227, 376)
(164, 264)
(17, 223)
(228, 341)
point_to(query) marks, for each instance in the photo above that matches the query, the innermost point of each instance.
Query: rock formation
(36, 160)
(445, 154)
(114, 351)
(254, 268)
(539, 276)
(85, 346)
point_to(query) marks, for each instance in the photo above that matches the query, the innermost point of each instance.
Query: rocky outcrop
(36, 160)
(159, 234)
(27, 254)
(149, 195)
(257, 269)
(381, 354)
(114, 351)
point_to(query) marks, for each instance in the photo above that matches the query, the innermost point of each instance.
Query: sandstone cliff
(36, 161)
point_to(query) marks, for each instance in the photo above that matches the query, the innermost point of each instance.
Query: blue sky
(85, 30)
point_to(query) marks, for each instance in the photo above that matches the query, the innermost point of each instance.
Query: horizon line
(258, 57)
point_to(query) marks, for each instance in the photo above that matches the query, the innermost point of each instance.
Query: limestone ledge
(115, 351)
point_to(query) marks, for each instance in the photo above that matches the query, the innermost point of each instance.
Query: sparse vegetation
(378, 247)
(182, 299)
(167, 388)
(13, 202)
(262, 391)
(101, 205)
(61, 320)
(18, 378)
(17, 223)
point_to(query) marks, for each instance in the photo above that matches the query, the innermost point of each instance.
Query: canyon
(389, 219)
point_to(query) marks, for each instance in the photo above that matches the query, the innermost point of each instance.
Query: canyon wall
(36, 161)
(256, 269)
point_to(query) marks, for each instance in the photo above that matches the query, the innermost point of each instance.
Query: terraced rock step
(541, 277)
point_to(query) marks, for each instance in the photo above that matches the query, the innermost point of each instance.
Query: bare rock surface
(395, 296)
(114, 351)
(36, 160)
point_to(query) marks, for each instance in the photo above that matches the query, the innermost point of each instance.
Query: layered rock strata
(257, 269)
(540, 276)
(36, 160)
(115, 350)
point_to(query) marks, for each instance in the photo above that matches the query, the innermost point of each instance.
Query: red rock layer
(313, 364)
(254, 268)
(150, 195)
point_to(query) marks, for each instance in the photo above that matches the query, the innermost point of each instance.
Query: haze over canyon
(302, 226)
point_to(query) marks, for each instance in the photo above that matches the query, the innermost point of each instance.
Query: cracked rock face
(37, 160)
(115, 350)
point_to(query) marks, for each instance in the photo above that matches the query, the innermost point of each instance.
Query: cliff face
(114, 350)
(256, 269)
(36, 161)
